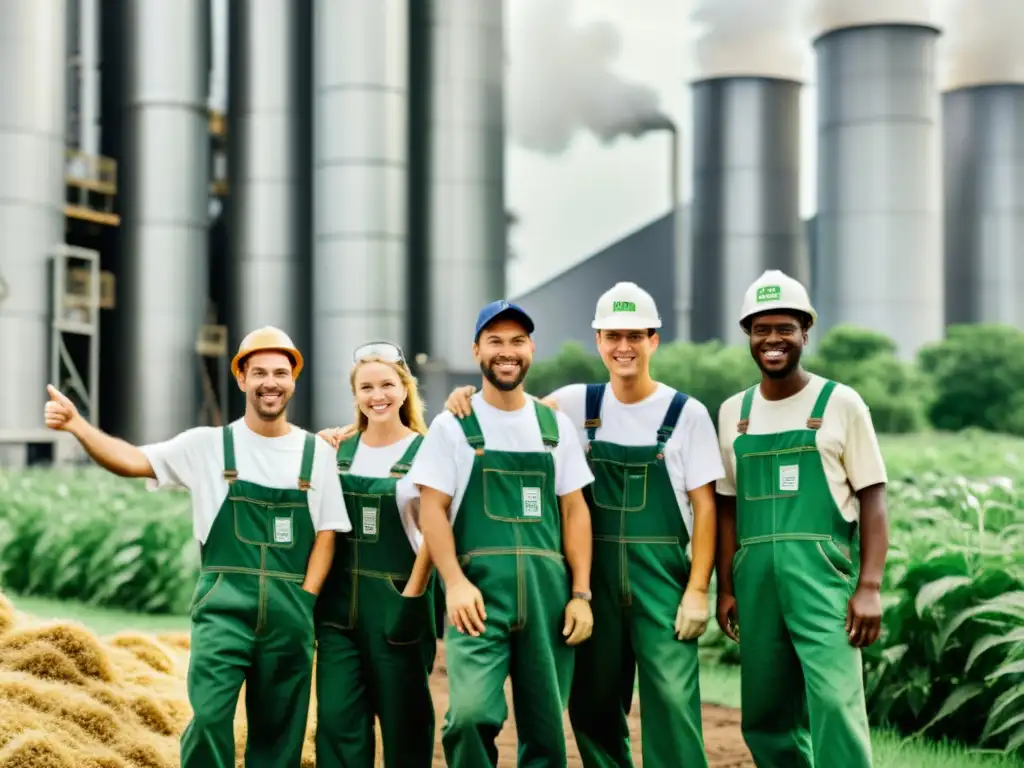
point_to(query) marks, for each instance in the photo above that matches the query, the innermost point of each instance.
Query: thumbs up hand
(60, 412)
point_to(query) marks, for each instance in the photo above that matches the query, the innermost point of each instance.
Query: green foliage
(100, 539)
(977, 371)
(572, 365)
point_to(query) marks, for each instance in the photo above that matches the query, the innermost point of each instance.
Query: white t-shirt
(194, 460)
(846, 440)
(692, 457)
(445, 459)
(377, 462)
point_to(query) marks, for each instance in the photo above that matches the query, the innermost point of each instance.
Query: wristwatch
(582, 595)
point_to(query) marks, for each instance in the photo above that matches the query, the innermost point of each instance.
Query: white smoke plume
(560, 81)
(762, 38)
(825, 15)
(981, 42)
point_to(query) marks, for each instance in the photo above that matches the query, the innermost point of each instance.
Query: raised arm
(113, 454)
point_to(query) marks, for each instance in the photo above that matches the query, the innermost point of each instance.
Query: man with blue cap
(503, 514)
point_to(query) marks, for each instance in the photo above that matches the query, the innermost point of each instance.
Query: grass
(720, 684)
(102, 621)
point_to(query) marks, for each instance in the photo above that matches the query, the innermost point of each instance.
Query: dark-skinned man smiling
(804, 490)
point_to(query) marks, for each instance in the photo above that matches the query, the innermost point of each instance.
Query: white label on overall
(282, 530)
(789, 478)
(369, 521)
(531, 502)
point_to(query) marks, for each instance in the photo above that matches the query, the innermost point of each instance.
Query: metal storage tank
(983, 139)
(162, 284)
(746, 195)
(33, 37)
(879, 236)
(467, 228)
(269, 266)
(361, 89)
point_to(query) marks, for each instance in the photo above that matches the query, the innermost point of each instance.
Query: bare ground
(722, 739)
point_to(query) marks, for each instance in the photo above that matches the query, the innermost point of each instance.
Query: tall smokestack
(164, 172)
(982, 76)
(33, 36)
(751, 59)
(359, 263)
(466, 262)
(880, 260)
(269, 266)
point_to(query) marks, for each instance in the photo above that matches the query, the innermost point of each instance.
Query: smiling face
(266, 379)
(504, 353)
(777, 342)
(379, 392)
(626, 353)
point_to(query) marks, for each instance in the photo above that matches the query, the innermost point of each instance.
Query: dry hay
(69, 699)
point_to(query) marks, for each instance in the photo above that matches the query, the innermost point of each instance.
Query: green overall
(252, 623)
(638, 577)
(802, 687)
(375, 647)
(508, 537)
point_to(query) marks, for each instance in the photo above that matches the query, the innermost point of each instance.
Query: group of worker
(574, 538)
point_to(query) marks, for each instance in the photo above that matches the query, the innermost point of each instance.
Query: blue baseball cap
(501, 309)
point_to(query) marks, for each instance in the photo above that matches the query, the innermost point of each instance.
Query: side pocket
(206, 585)
(409, 618)
(838, 562)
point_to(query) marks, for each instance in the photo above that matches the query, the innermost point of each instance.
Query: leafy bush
(91, 536)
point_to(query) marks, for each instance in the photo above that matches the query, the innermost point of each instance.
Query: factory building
(182, 171)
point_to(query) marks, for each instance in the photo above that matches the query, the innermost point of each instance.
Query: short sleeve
(862, 456)
(572, 401)
(407, 496)
(693, 456)
(571, 469)
(436, 465)
(184, 460)
(327, 502)
(726, 485)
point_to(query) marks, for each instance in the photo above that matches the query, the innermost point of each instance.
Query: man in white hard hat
(805, 484)
(654, 454)
(266, 504)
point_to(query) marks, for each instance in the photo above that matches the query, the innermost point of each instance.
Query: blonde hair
(412, 410)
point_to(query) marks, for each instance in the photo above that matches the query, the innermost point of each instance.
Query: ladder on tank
(212, 351)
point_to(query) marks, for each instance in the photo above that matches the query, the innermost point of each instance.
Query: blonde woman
(375, 616)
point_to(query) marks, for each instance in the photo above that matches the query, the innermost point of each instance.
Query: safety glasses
(385, 350)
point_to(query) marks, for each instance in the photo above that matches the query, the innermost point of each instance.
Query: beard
(793, 355)
(272, 412)
(489, 372)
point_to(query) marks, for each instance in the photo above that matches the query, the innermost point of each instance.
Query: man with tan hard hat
(804, 486)
(654, 454)
(266, 504)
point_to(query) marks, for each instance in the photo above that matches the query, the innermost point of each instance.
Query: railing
(92, 186)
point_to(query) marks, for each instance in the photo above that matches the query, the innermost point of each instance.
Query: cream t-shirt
(846, 440)
(377, 462)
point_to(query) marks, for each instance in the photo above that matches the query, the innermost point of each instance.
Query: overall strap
(668, 425)
(748, 399)
(819, 405)
(471, 429)
(347, 453)
(306, 471)
(230, 472)
(404, 464)
(595, 396)
(548, 424)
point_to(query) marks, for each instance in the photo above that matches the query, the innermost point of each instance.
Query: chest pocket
(264, 525)
(619, 487)
(766, 475)
(514, 496)
(364, 509)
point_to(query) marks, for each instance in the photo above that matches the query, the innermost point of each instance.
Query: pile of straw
(71, 700)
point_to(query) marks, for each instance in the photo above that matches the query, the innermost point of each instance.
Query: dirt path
(722, 739)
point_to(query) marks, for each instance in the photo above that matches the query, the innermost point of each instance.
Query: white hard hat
(626, 306)
(776, 291)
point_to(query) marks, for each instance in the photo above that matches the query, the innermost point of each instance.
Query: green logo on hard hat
(768, 293)
(623, 306)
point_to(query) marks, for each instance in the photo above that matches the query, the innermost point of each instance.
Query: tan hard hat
(267, 339)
